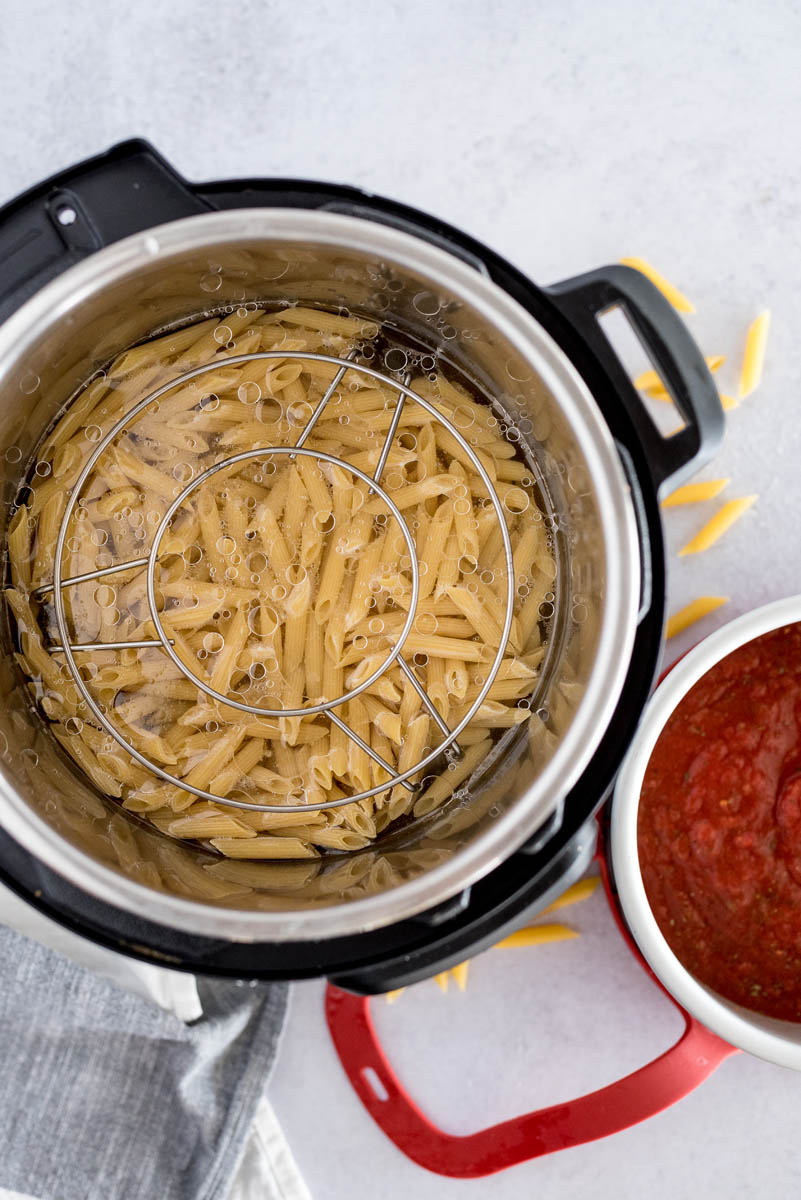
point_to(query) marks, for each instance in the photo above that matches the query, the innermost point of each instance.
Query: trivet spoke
(329, 391)
(428, 704)
(143, 645)
(396, 416)
(369, 750)
(99, 574)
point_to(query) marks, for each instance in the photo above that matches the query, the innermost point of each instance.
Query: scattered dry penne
(719, 524)
(694, 493)
(754, 358)
(702, 606)
(668, 290)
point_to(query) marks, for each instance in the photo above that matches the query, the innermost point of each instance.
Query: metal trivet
(449, 741)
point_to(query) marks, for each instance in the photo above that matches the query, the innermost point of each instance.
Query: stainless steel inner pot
(187, 269)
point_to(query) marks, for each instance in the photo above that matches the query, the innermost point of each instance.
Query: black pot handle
(674, 353)
(69, 216)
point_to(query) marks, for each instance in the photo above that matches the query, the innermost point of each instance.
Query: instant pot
(118, 247)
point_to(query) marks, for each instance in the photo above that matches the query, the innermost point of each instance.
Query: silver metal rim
(557, 373)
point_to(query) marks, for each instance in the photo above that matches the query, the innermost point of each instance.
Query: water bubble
(487, 577)
(543, 715)
(183, 472)
(360, 642)
(105, 596)
(420, 659)
(427, 304)
(192, 555)
(210, 403)
(29, 383)
(212, 726)
(300, 413)
(396, 359)
(223, 334)
(73, 725)
(249, 393)
(211, 282)
(93, 433)
(448, 332)
(257, 671)
(256, 562)
(43, 469)
(516, 500)
(213, 642)
(463, 417)
(461, 507)
(426, 623)
(467, 564)
(295, 574)
(324, 522)
(375, 625)
(226, 545)
(278, 592)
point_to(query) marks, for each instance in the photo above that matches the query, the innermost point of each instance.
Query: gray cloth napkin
(104, 1096)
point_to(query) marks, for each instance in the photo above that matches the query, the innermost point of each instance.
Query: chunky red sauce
(720, 827)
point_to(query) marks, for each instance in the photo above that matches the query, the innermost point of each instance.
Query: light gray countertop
(565, 135)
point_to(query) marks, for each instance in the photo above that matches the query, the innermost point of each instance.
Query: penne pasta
(701, 607)
(718, 525)
(281, 582)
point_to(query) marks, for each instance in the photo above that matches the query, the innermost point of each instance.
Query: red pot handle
(638, 1096)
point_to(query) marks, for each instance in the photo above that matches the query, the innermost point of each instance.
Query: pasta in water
(282, 581)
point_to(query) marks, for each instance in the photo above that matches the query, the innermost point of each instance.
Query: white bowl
(777, 1041)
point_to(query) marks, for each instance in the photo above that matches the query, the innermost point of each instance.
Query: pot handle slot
(69, 216)
(672, 350)
(635, 1098)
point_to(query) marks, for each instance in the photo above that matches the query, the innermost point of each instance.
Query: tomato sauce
(720, 827)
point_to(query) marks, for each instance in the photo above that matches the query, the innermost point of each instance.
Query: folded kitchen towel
(105, 1096)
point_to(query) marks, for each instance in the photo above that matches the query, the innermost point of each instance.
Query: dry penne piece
(754, 358)
(668, 290)
(695, 493)
(701, 607)
(718, 525)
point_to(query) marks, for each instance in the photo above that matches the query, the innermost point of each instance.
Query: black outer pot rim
(414, 948)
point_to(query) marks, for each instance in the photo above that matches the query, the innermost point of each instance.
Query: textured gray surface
(566, 135)
(107, 1097)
